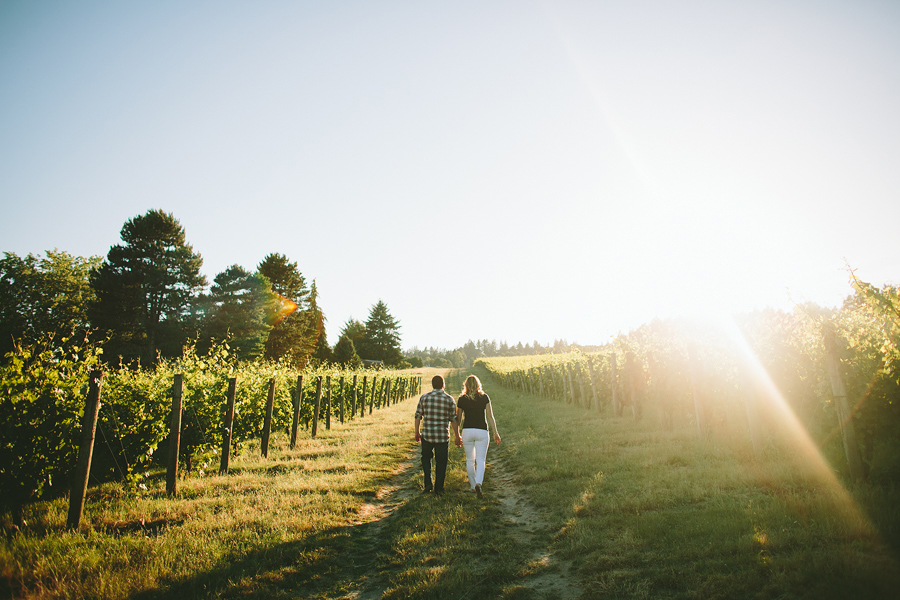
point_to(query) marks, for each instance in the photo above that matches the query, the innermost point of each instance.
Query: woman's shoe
(478, 490)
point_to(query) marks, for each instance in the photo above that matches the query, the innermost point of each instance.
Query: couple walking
(436, 414)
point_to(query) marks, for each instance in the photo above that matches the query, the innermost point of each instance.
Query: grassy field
(644, 513)
(622, 509)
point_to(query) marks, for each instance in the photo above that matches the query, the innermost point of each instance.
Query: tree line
(148, 299)
(466, 355)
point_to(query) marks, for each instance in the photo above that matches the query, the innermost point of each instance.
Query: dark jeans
(440, 464)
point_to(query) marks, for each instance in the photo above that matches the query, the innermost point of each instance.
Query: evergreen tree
(44, 296)
(240, 307)
(345, 352)
(355, 331)
(323, 353)
(145, 289)
(382, 341)
(294, 338)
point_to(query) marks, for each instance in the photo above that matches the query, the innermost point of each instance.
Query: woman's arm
(489, 413)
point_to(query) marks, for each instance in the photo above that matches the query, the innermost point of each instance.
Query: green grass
(639, 513)
(644, 513)
(270, 525)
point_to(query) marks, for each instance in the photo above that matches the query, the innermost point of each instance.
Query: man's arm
(454, 420)
(418, 424)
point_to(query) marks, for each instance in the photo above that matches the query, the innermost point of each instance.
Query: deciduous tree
(42, 297)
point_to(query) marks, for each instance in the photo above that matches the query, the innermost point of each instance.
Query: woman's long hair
(473, 386)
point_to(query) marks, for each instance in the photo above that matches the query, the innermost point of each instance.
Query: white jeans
(475, 443)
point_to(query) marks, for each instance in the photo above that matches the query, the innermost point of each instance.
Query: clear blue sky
(515, 171)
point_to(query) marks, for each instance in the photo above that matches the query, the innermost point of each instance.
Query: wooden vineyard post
(381, 392)
(844, 414)
(659, 391)
(551, 383)
(328, 402)
(632, 376)
(595, 399)
(267, 424)
(613, 383)
(571, 383)
(228, 425)
(85, 450)
(353, 399)
(541, 380)
(315, 423)
(561, 378)
(696, 372)
(584, 398)
(372, 397)
(362, 404)
(295, 421)
(752, 406)
(341, 394)
(174, 436)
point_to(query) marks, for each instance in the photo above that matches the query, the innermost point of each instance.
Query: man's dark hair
(437, 382)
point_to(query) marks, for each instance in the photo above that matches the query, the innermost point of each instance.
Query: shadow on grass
(376, 558)
(314, 567)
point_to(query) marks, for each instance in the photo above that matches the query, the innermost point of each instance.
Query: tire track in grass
(543, 574)
(371, 583)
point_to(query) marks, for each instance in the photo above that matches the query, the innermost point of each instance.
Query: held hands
(458, 441)
(497, 438)
(418, 437)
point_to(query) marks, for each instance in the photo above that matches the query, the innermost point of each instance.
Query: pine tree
(345, 352)
(382, 341)
(355, 331)
(146, 287)
(240, 307)
(296, 336)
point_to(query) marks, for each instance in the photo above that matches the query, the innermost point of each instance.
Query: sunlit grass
(638, 511)
(645, 513)
(283, 517)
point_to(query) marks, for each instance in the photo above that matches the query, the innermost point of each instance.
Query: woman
(473, 410)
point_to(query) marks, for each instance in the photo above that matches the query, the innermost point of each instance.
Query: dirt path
(542, 573)
(372, 583)
(545, 574)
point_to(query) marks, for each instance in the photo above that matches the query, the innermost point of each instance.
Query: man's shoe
(478, 490)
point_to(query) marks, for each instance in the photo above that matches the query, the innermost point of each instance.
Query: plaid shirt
(437, 410)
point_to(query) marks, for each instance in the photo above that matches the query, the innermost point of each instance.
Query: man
(435, 411)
